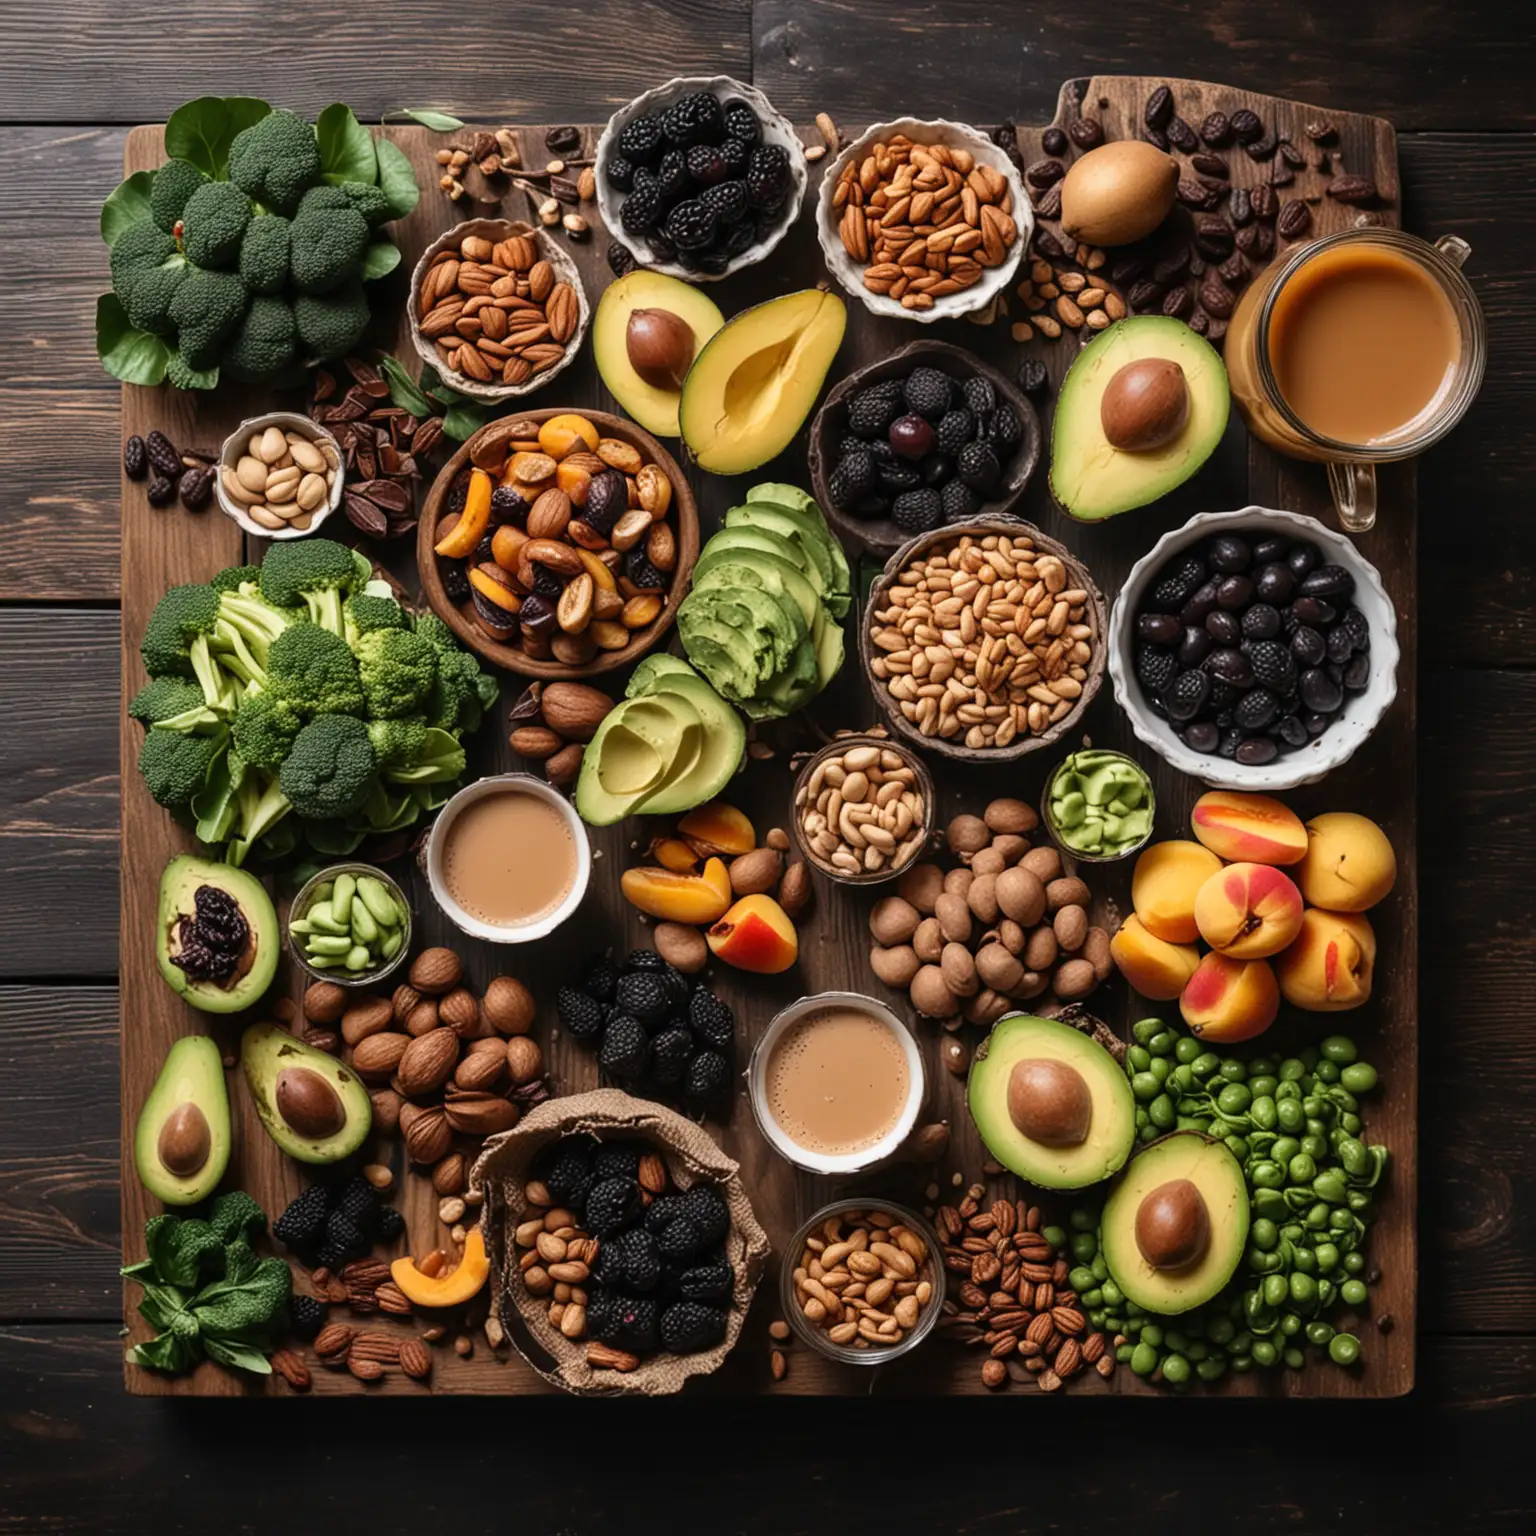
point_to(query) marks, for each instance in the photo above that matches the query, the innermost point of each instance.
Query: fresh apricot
(1164, 884)
(1248, 911)
(562, 434)
(1230, 1000)
(679, 898)
(1154, 967)
(718, 828)
(1331, 964)
(1349, 864)
(1250, 829)
(756, 934)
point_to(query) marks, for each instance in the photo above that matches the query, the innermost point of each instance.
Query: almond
(508, 1006)
(795, 889)
(376, 1058)
(448, 1174)
(325, 1002)
(563, 311)
(550, 515)
(536, 741)
(573, 710)
(606, 1357)
(428, 1062)
(386, 1110)
(480, 1071)
(753, 874)
(460, 1012)
(428, 1136)
(436, 971)
(404, 1000)
(424, 1017)
(653, 1173)
(525, 1061)
(366, 1018)
(481, 1114)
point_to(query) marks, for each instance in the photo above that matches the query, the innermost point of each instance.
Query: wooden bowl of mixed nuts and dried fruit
(497, 308)
(558, 544)
(1020, 646)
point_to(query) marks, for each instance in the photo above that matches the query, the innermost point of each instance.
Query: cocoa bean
(1295, 220)
(1159, 108)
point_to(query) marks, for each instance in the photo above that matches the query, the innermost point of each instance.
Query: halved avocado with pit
(189, 968)
(1176, 1223)
(181, 1142)
(1051, 1103)
(314, 1107)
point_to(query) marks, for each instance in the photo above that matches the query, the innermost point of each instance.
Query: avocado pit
(1049, 1102)
(308, 1103)
(1173, 1225)
(185, 1140)
(1145, 406)
(660, 346)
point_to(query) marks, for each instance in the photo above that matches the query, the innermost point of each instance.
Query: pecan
(1068, 1359)
(392, 1299)
(333, 1342)
(415, 1359)
(292, 1369)
(605, 1357)
(1352, 189)
(381, 1347)
(365, 1370)
(1094, 1346)
(1068, 1319)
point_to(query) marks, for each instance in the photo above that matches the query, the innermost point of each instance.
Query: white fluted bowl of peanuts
(280, 475)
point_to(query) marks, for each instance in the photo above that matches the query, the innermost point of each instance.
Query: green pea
(1262, 1085)
(1181, 1079)
(1327, 1258)
(1160, 1068)
(1264, 1353)
(1302, 1168)
(1267, 1175)
(1241, 1364)
(1133, 1326)
(1262, 1113)
(1142, 1118)
(1284, 1149)
(1144, 1030)
(1098, 1266)
(1288, 1090)
(1091, 1296)
(1263, 1234)
(1303, 1259)
(1343, 1099)
(1295, 1359)
(1112, 1294)
(1234, 1099)
(1148, 1133)
(1055, 1236)
(1291, 1069)
(1186, 1048)
(1152, 1333)
(1081, 1280)
(1261, 1263)
(1137, 1058)
(1162, 1044)
(1330, 1186)
(1145, 1086)
(1190, 1123)
(1354, 1263)
(1351, 1123)
(1083, 1247)
(1319, 1333)
(1359, 1078)
(1237, 1146)
(1327, 1072)
(1114, 1321)
(1212, 1368)
(1143, 1358)
(1232, 1070)
(1354, 1292)
(1312, 1108)
(1220, 1129)
(1124, 1353)
(1340, 1221)
(1290, 1325)
(1275, 1290)
(1162, 1113)
(1344, 1349)
(1176, 1369)
(1303, 1289)
(1317, 1217)
(1204, 1064)
(1359, 1201)
(1308, 1056)
(1315, 1146)
(1082, 1219)
(1339, 1048)
(1289, 1116)
(1271, 1203)
(1096, 1316)
(1293, 1231)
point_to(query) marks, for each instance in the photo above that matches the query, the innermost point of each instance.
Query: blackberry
(707, 1081)
(979, 395)
(1273, 664)
(741, 123)
(928, 393)
(333, 1256)
(458, 496)
(306, 1317)
(640, 571)
(1155, 668)
(959, 502)
(1001, 427)
(629, 1261)
(671, 1052)
(898, 475)
(626, 1047)
(711, 1020)
(359, 1203)
(689, 1326)
(858, 467)
(644, 960)
(955, 430)
(1178, 585)
(600, 980)
(642, 142)
(342, 1233)
(707, 1282)
(612, 1204)
(1256, 709)
(765, 218)
(620, 173)
(1033, 378)
(642, 209)
(643, 994)
(391, 1223)
(739, 236)
(681, 1238)
(662, 1212)
(872, 410)
(1185, 695)
(917, 511)
(620, 1161)
(579, 1014)
(707, 165)
(703, 1206)
(728, 200)
(870, 504)
(662, 249)
(455, 581)
(602, 1309)
(629, 1324)
(937, 470)
(978, 467)
(1260, 622)
(736, 153)
(672, 176)
(768, 175)
(569, 1175)
(696, 119)
(677, 985)
(301, 1225)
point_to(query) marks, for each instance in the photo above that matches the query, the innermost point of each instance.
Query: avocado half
(181, 1144)
(314, 1107)
(1051, 1103)
(1090, 477)
(184, 876)
(1176, 1223)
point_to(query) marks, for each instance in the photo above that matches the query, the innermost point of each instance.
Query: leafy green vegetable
(380, 259)
(126, 204)
(404, 390)
(397, 179)
(438, 122)
(133, 356)
(201, 131)
(346, 147)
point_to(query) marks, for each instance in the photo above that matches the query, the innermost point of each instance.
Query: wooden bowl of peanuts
(1029, 662)
(497, 308)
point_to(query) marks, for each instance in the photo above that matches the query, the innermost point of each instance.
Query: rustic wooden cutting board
(164, 547)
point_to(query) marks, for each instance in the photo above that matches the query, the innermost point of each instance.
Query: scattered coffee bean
(1156, 136)
(1044, 172)
(1281, 175)
(1246, 126)
(1292, 156)
(1086, 132)
(1053, 141)
(1216, 130)
(1210, 165)
(1265, 203)
(1319, 131)
(565, 140)
(1182, 136)
(1295, 220)
(1352, 189)
(1239, 207)
(1177, 302)
(1262, 148)
(1159, 108)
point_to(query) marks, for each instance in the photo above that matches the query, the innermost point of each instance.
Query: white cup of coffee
(836, 1083)
(508, 859)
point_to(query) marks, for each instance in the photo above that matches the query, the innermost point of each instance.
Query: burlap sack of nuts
(502, 1171)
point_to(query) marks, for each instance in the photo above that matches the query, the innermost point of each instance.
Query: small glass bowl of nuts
(863, 809)
(280, 476)
(861, 1282)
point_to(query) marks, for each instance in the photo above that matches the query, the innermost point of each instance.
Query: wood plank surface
(158, 550)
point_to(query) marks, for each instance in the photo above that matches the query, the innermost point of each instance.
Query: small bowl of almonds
(497, 308)
(280, 475)
(863, 809)
(861, 1283)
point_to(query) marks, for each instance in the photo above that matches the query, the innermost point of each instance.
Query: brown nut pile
(497, 312)
(555, 1260)
(983, 638)
(368, 1355)
(1008, 924)
(443, 1067)
(1014, 1299)
(1057, 298)
(926, 219)
(863, 811)
(166, 466)
(551, 725)
(864, 1279)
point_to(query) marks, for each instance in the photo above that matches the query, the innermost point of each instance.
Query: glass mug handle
(1354, 495)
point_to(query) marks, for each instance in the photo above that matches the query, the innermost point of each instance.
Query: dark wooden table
(77, 1454)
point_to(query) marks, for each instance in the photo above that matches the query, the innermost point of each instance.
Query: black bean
(1302, 558)
(1195, 645)
(1275, 583)
(1313, 610)
(1327, 581)
(1293, 732)
(1308, 646)
(1053, 141)
(1357, 674)
(1340, 649)
(1202, 736)
(1315, 723)
(1199, 603)
(1230, 554)
(1231, 666)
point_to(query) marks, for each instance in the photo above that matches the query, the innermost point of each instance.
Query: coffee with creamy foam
(509, 858)
(837, 1081)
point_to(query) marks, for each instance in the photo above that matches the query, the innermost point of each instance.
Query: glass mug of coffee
(1355, 350)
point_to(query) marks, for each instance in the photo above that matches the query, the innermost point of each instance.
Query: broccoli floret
(365, 613)
(275, 159)
(398, 741)
(174, 184)
(454, 702)
(432, 628)
(331, 324)
(213, 224)
(438, 758)
(180, 374)
(326, 247)
(151, 293)
(264, 254)
(317, 574)
(205, 309)
(175, 764)
(369, 200)
(233, 577)
(264, 728)
(398, 669)
(139, 249)
(266, 342)
(314, 671)
(324, 197)
(331, 768)
(163, 698)
(175, 642)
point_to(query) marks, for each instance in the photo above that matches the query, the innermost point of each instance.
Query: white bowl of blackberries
(1254, 650)
(699, 177)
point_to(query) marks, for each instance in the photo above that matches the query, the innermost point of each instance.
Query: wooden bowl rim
(880, 533)
(510, 657)
(1020, 746)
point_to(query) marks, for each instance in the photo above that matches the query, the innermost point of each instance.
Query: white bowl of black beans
(1222, 674)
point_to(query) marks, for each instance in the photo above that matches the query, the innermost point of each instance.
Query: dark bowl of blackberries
(1254, 649)
(928, 436)
(699, 177)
